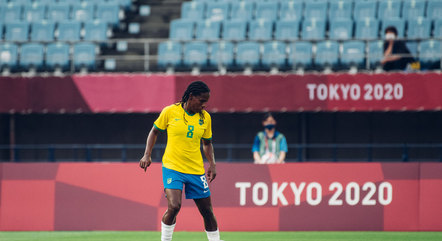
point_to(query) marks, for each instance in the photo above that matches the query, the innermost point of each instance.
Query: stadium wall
(246, 197)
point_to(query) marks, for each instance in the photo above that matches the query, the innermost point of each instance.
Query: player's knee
(174, 207)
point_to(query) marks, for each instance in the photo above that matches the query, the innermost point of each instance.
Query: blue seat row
(319, 9)
(279, 54)
(47, 31)
(41, 57)
(310, 29)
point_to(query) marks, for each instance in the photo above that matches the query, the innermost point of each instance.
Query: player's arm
(210, 155)
(146, 160)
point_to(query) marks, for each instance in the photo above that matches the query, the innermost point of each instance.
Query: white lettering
(242, 191)
(345, 89)
(322, 92)
(310, 199)
(297, 192)
(277, 193)
(334, 92)
(311, 91)
(265, 193)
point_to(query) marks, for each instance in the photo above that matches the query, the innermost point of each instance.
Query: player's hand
(145, 162)
(211, 173)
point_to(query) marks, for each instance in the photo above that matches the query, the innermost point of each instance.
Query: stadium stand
(57, 56)
(208, 30)
(267, 10)
(389, 9)
(398, 23)
(316, 10)
(275, 55)
(341, 29)
(11, 12)
(364, 9)
(287, 30)
(234, 29)
(31, 56)
(217, 11)
(68, 30)
(353, 54)
(192, 10)
(419, 28)
(17, 31)
(195, 54)
(83, 11)
(413, 9)
(182, 29)
(327, 55)
(313, 29)
(242, 10)
(8, 56)
(340, 9)
(42, 31)
(58, 11)
(375, 53)
(367, 29)
(438, 28)
(84, 56)
(300, 55)
(222, 55)
(247, 55)
(169, 54)
(430, 54)
(260, 29)
(434, 9)
(95, 31)
(291, 10)
(34, 12)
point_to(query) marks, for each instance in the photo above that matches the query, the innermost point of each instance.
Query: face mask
(269, 127)
(390, 36)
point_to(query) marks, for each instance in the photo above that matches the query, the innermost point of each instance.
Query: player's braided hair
(195, 88)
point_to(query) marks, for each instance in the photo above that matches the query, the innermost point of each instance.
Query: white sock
(166, 231)
(213, 235)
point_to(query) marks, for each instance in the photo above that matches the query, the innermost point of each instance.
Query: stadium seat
(8, 55)
(234, 29)
(108, 13)
(413, 47)
(221, 54)
(413, 9)
(11, 13)
(45, 2)
(17, 31)
(398, 23)
(1, 31)
(181, 29)
(275, 54)
(327, 54)
(389, 9)
(340, 9)
(341, 29)
(437, 28)
(260, 29)
(434, 9)
(208, 30)
(287, 30)
(367, 29)
(291, 10)
(316, 9)
(353, 54)
(247, 54)
(83, 12)
(95, 31)
(169, 54)
(42, 31)
(69, 30)
(242, 10)
(430, 54)
(84, 55)
(195, 54)
(59, 11)
(375, 53)
(267, 10)
(217, 11)
(364, 9)
(419, 28)
(192, 10)
(125, 4)
(313, 29)
(21, 2)
(31, 56)
(34, 12)
(300, 55)
(57, 56)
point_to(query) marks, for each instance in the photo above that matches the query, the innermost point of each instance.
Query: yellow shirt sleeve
(162, 122)
(208, 132)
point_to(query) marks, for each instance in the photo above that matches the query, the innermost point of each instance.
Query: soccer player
(187, 123)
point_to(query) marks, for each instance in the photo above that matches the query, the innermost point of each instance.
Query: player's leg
(205, 207)
(169, 218)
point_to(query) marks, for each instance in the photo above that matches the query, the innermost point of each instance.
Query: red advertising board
(246, 197)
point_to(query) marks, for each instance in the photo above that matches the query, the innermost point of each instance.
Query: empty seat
(412, 47)
(181, 29)
(42, 31)
(108, 13)
(125, 4)
(34, 12)
(430, 54)
(195, 54)
(437, 28)
(291, 10)
(419, 28)
(247, 54)
(313, 29)
(300, 55)
(287, 30)
(11, 13)
(341, 29)
(192, 10)
(95, 31)
(367, 29)
(69, 30)
(8, 55)
(84, 55)
(208, 30)
(327, 54)
(375, 53)
(413, 9)
(353, 54)
(57, 56)
(83, 11)
(217, 11)
(221, 54)
(316, 9)
(340, 9)
(58, 11)
(22, 2)
(389, 9)
(169, 54)
(267, 10)
(260, 29)
(398, 23)
(242, 10)
(364, 9)
(31, 56)
(275, 54)
(45, 2)
(17, 31)
(434, 9)
(234, 29)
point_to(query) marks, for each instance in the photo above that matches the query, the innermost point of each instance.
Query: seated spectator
(396, 54)
(270, 146)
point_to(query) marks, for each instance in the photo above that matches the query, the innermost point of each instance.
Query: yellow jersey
(184, 133)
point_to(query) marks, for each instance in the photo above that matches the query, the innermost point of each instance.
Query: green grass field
(227, 236)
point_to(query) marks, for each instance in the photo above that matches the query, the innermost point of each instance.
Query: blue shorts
(196, 186)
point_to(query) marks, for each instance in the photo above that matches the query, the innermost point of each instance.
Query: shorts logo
(203, 179)
(169, 180)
